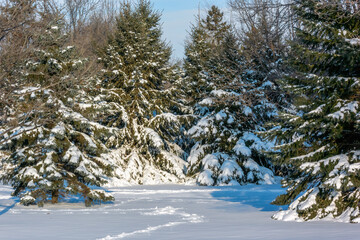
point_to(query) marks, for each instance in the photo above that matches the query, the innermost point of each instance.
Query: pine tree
(231, 110)
(54, 152)
(321, 141)
(138, 83)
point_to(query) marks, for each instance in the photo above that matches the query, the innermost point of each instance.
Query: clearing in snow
(165, 212)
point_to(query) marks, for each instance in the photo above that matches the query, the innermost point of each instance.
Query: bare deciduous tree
(79, 12)
(264, 27)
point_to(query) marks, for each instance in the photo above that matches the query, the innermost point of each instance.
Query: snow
(165, 117)
(206, 101)
(77, 62)
(247, 111)
(59, 129)
(186, 218)
(221, 93)
(48, 160)
(179, 165)
(347, 108)
(353, 41)
(320, 150)
(26, 90)
(90, 142)
(201, 128)
(196, 152)
(310, 200)
(318, 109)
(257, 143)
(252, 165)
(133, 170)
(205, 178)
(83, 171)
(165, 212)
(343, 162)
(73, 155)
(228, 169)
(154, 137)
(210, 161)
(230, 120)
(28, 199)
(241, 148)
(220, 116)
(265, 174)
(267, 84)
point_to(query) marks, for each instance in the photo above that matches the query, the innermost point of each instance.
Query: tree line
(89, 94)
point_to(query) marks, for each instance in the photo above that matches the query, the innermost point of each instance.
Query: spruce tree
(138, 82)
(203, 51)
(231, 109)
(321, 141)
(215, 25)
(197, 53)
(54, 153)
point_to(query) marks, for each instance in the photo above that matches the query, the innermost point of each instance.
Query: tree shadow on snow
(258, 196)
(6, 208)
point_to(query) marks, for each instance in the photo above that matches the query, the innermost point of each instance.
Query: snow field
(165, 212)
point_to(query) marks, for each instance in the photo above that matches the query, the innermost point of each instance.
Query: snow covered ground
(166, 212)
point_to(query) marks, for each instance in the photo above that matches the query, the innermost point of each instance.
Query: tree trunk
(55, 196)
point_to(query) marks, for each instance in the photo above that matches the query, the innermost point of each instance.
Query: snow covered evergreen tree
(197, 52)
(232, 108)
(322, 141)
(53, 152)
(204, 49)
(138, 86)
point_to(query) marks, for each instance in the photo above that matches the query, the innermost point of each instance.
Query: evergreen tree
(197, 52)
(215, 25)
(138, 82)
(231, 109)
(321, 141)
(17, 23)
(203, 51)
(54, 152)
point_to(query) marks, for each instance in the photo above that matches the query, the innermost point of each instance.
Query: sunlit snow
(165, 212)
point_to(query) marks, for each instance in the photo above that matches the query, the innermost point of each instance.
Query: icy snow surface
(165, 212)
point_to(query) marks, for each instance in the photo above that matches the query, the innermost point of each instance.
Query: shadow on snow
(6, 208)
(258, 196)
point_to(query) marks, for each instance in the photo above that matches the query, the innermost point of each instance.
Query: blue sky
(177, 18)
